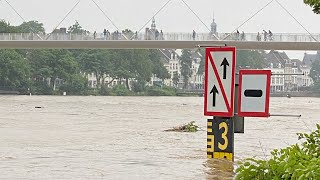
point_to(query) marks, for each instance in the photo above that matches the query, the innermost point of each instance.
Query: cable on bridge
(108, 18)
(22, 19)
(296, 20)
(199, 19)
(64, 18)
(249, 19)
(153, 16)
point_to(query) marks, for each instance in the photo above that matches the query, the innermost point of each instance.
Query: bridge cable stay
(199, 18)
(64, 18)
(23, 19)
(248, 19)
(296, 20)
(153, 16)
(108, 18)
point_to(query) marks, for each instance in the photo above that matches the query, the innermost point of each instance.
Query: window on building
(281, 80)
(277, 81)
(272, 81)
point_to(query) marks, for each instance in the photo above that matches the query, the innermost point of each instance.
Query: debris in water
(190, 127)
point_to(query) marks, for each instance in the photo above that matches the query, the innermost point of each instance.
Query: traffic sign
(219, 81)
(254, 93)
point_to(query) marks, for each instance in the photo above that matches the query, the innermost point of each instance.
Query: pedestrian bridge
(278, 41)
(277, 37)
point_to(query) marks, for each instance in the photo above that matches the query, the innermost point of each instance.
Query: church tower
(153, 25)
(213, 26)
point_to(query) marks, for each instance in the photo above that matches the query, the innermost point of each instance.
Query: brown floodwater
(124, 138)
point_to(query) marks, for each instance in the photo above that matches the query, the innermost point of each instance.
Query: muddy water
(124, 138)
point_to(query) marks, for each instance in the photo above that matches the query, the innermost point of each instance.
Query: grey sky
(175, 17)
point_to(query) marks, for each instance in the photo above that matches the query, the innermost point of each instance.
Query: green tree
(315, 4)
(122, 66)
(315, 71)
(133, 64)
(251, 58)
(77, 29)
(31, 26)
(76, 84)
(14, 70)
(201, 66)
(158, 69)
(52, 64)
(99, 62)
(186, 63)
(5, 27)
(175, 79)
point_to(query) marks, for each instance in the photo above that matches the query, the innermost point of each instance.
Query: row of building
(278, 62)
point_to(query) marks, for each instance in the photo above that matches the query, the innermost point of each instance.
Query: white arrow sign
(219, 81)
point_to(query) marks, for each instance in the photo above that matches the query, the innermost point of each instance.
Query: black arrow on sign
(225, 63)
(214, 91)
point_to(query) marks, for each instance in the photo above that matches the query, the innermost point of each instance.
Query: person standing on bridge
(265, 35)
(157, 34)
(194, 35)
(243, 37)
(105, 34)
(108, 35)
(136, 35)
(161, 35)
(237, 35)
(258, 37)
(94, 34)
(270, 36)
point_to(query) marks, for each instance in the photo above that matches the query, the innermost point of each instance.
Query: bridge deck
(151, 44)
(277, 37)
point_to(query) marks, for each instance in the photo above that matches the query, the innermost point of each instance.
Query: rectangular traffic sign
(219, 81)
(254, 93)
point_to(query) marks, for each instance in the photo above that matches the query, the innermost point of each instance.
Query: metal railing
(277, 37)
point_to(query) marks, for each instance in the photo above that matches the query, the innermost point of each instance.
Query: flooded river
(124, 138)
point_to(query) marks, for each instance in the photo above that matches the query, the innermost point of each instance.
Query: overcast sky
(175, 17)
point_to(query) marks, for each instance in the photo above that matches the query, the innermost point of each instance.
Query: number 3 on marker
(224, 136)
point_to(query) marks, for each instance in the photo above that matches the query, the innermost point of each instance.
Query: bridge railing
(277, 37)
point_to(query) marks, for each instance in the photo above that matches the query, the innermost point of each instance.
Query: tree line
(36, 70)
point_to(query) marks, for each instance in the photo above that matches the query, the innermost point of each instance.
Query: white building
(277, 81)
(172, 63)
(306, 79)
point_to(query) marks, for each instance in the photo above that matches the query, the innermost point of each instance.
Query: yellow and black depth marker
(220, 138)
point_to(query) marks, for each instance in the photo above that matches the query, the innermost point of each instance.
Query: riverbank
(2, 92)
(296, 94)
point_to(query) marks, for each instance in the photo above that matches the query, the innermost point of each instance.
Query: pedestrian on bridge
(270, 36)
(237, 35)
(108, 34)
(194, 35)
(157, 34)
(136, 35)
(161, 35)
(105, 34)
(94, 34)
(243, 37)
(265, 35)
(258, 37)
